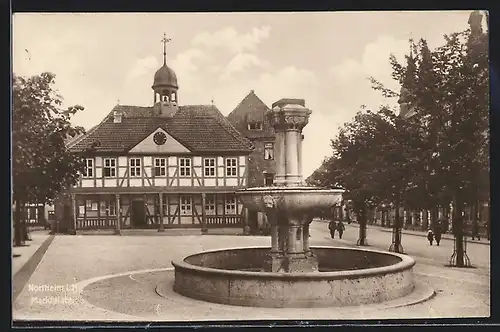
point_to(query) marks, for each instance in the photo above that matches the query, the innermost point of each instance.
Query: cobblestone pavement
(74, 259)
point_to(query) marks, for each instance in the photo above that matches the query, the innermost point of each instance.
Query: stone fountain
(291, 273)
(289, 205)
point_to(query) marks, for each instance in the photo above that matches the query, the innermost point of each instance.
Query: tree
(356, 164)
(451, 103)
(42, 167)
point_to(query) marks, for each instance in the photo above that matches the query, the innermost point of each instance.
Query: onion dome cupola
(165, 80)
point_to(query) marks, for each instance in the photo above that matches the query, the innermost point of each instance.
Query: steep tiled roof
(201, 128)
(251, 108)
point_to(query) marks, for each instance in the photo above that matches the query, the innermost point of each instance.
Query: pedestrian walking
(437, 233)
(430, 236)
(332, 226)
(340, 228)
(475, 229)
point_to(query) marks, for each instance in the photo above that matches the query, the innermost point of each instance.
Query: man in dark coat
(332, 226)
(437, 233)
(340, 228)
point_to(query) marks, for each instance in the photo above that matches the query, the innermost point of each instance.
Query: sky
(104, 59)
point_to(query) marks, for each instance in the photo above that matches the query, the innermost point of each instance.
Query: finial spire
(165, 40)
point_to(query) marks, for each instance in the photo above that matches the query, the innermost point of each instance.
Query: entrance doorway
(138, 214)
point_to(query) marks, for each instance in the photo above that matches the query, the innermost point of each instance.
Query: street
(416, 246)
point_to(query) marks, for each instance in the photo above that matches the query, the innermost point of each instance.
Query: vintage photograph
(190, 167)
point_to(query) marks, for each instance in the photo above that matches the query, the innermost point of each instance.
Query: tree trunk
(396, 232)
(18, 235)
(457, 224)
(341, 212)
(362, 227)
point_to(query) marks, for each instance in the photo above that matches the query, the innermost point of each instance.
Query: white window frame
(111, 207)
(269, 151)
(160, 167)
(185, 167)
(230, 204)
(109, 164)
(210, 204)
(186, 205)
(90, 204)
(209, 167)
(231, 167)
(108, 207)
(134, 167)
(89, 168)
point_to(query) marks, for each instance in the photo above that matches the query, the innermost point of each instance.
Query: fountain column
(305, 238)
(274, 239)
(292, 177)
(279, 146)
(291, 244)
(299, 155)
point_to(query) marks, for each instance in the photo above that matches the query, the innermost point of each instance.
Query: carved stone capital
(297, 122)
(269, 201)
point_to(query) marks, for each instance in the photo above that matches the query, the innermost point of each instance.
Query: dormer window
(255, 125)
(117, 117)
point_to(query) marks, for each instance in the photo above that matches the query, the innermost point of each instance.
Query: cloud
(229, 39)
(142, 67)
(240, 62)
(374, 61)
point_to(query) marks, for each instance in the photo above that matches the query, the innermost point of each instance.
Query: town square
(238, 167)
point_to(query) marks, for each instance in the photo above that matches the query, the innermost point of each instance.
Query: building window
(108, 207)
(210, 204)
(269, 151)
(88, 171)
(160, 168)
(268, 179)
(210, 167)
(257, 125)
(185, 167)
(230, 204)
(231, 167)
(135, 167)
(109, 168)
(186, 204)
(91, 205)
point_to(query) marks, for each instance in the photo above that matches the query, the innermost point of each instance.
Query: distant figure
(430, 236)
(340, 228)
(475, 229)
(332, 226)
(437, 233)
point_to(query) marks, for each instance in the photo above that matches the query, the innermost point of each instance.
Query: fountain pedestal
(289, 241)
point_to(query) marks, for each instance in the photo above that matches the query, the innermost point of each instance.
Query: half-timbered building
(161, 166)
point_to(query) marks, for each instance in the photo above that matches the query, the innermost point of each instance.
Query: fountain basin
(290, 199)
(347, 277)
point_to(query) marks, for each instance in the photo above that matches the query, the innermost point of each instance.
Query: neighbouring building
(160, 166)
(250, 120)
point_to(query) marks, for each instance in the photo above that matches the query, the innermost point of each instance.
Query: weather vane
(165, 40)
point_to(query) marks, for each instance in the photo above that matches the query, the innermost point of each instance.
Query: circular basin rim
(406, 263)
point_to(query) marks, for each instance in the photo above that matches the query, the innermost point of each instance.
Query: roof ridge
(252, 92)
(233, 131)
(91, 130)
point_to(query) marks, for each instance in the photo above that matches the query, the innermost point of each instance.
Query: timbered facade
(164, 166)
